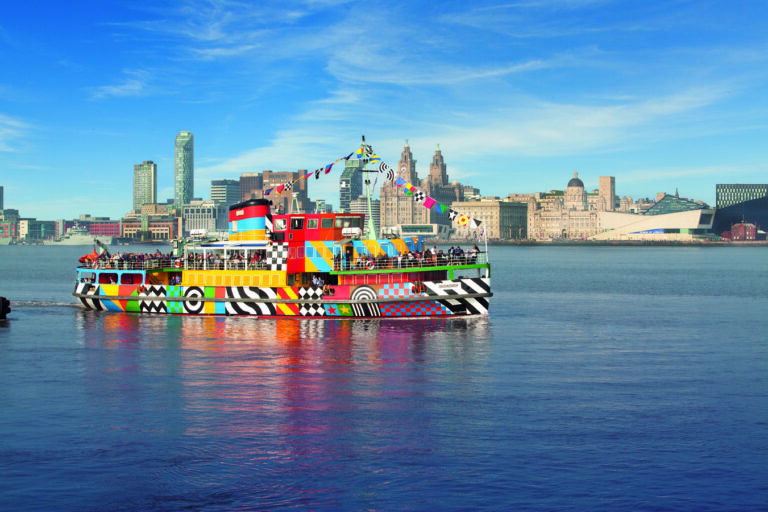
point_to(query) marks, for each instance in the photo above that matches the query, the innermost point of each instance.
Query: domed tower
(575, 195)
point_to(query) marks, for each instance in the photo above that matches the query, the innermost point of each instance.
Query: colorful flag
(288, 186)
(374, 158)
(452, 213)
(400, 182)
(308, 175)
(419, 196)
(463, 220)
(475, 223)
(266, 192)
(349, 156)
(440, 208)
(328, 168)
(280, 189)
(317, 173)
(428, 202)
(408, 189)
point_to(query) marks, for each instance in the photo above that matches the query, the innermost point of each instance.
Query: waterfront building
(226, 192)
(33, 229)
(397, 208)
(440, 189)
(295, 199)
(9, 225)
(501, 220)
(184, 169)
(1, 197)
(350, 183)
(670, 219)
(144, 184)
(147, 228)
(559, 215)
(205, 215)
(736, 193)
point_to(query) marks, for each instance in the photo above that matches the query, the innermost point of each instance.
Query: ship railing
(406, 262)
(137, 264)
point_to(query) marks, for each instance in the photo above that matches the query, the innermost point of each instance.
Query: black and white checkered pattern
(277, 256)
(311, 308)
(419, 196)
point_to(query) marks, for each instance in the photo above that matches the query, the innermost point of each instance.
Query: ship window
(130, 279)
(311, 223)
(339, 221)
(326, 223)
(355, 222)
(108, 278)
(279, 224)
(297, 223)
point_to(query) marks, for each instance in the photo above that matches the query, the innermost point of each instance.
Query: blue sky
(663, 95)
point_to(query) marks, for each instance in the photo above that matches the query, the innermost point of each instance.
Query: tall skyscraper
(226, 192)
(607, 191)
(350, 183)
(144, 184)
(1, 197)
(184, 169)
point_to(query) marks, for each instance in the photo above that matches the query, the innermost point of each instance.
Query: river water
(604, 378)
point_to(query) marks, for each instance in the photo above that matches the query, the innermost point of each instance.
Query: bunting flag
(452, 214)
(408, 189)
(317, 173)
(280, 189)
(463, 220)
(474, 223)
(308, 175)
(374, 158)
(419, 196)
(428, 202)
(288, 186)
(440, 208)
(266, 192)
(328, 167)
(400, 182)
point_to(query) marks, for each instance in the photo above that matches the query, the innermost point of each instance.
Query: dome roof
(575, 181)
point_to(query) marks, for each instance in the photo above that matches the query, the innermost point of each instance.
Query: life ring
(370, 265)
(142, 289)
(177, 263)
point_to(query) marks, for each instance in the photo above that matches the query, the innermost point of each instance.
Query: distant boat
(79, 235)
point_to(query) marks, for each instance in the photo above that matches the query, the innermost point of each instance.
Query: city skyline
(663, 96)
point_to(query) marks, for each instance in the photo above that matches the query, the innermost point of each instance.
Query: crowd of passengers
(256, 260)
(131, 260)
(234, 261)
(426, 258)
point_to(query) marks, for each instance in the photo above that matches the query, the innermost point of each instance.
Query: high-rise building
(1, 197)
(144, 184)
(184, 169)
(360, 205)
(350, 183)
(226, 192)
(607, 190)
(731, 194)
(251, 185)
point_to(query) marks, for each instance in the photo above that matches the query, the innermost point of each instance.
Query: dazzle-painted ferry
(291, 265)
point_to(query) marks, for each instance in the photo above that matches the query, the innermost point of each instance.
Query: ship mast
(370, 227)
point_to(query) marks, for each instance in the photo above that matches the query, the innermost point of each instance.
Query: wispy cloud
(11, 131)
(134, 84)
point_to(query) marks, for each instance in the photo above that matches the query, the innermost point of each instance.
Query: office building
(226, 192)
(350, 183)
(440, 189)
(360, 205)
(607, 188)
(500, 220)
(731, 194)
(1, 197)
(144, 184)
(251, 185)
(184, 169)
(205, 216)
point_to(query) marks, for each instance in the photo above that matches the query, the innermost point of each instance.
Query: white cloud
(133, 85)
(11, 130)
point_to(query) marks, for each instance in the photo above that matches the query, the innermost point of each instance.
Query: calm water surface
(603, 379)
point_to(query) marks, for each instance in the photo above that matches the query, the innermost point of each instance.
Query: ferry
(291, 265)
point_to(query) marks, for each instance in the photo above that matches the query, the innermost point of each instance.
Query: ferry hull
(448, 298)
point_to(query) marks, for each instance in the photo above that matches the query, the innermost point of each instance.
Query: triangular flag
(266, 192)
(328, 168)
(288, 186)
(280, 189)
(440, 208)
(349, 156)
(308, 175)
(317, 173)
(475, 223)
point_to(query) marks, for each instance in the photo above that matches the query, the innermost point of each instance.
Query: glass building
(350, 183)
(144, 184)
(184, 169)
(731, 194)
(226, 192)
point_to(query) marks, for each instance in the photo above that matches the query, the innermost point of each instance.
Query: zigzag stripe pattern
(459, 306)
(244, 306)
(153, 306)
